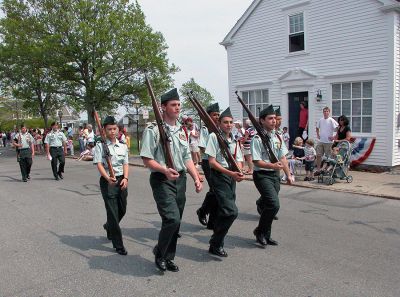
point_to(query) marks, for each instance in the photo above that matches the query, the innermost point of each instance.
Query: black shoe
(60, 175)
(218, 251)
(24, 180)
(171, 266)
(202, 217)
(108, 232)
(276, 218)
(28, 177)
(270, 241)
(179, 235)
(122, 251)
(160, 262)
(56, 178)
(260, 238)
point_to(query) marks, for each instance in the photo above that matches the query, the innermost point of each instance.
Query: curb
(314, 187)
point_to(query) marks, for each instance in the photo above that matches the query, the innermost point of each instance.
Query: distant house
(344, 54)
(68, 117)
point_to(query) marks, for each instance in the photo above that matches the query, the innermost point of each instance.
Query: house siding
(341, 46)
(396, 122)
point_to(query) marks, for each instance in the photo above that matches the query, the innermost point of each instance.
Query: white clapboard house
(344, 54)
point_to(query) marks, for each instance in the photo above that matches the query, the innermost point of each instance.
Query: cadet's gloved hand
(171, 174)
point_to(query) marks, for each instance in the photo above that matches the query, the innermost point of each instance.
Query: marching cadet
(23, 141)
(266, 175)
(223, 182)
(113, 190)
(168, 185)
(56, 149)
(209, 204)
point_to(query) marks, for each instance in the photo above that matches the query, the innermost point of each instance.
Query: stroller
(340, 169)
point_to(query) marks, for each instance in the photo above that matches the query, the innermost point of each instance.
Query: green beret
(170, 95)
(278, 112)
(213, 108)
(109, 120)
(226, 113)
(267, 111)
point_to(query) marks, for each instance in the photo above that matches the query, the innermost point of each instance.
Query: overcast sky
(193, 30)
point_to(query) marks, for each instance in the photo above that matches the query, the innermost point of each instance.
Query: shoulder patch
(182, 136)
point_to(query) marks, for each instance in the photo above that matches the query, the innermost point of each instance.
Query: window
(354, 100)
(296, 32)
(256, 101)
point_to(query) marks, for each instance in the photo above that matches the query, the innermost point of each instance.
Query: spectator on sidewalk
(343, 132)
(248, 136)
(303, 119)
(90, 134)
(286, 137)
(326, 128)
(297, 156)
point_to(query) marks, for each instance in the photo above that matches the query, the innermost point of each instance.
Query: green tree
(200, 93)
(24, 67)
(96, 50)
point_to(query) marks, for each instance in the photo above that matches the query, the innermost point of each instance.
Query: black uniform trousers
(57, 154)
(115, 200)
(170, 197)
(25, 162)
(268, 184)
(209, 205)
(224, 188)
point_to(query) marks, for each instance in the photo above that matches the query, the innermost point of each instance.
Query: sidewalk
(386, 185)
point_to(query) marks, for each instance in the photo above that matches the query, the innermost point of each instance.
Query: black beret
(109, 120)
(226, 113)
(213, 108)
(278, 112)
(267, 111)
(170, 95)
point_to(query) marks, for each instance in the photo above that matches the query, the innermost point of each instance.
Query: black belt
(56, 147)
(24, 149)
(265, 172)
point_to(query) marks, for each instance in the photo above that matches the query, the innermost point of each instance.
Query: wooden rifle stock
(223, 144)
(165, 136)
(106, 151)
(260, 130)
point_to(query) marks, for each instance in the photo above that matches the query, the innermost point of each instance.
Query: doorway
(294, 112)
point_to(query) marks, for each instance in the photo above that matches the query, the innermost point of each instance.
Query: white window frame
(262, 104)
(362, 115)
(289, 33)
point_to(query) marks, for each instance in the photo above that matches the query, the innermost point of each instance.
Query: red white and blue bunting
(361, 149)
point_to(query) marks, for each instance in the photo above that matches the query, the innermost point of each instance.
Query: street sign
(145, 114)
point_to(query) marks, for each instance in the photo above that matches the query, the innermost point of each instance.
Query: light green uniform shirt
(258, 152)
(26, 140)
(213, 150)
(152, 148)
(55, 139)
(203, 140)
(119, 156)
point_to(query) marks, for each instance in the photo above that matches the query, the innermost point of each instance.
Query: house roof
(388, 5)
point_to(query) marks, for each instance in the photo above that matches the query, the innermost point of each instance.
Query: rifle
(165, 135)
(261, 132)
(106, 151)
(223, 144)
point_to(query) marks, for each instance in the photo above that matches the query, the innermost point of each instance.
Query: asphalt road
(52, 242)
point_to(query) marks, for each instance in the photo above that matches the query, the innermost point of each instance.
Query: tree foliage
(96, 50)
(200, 93)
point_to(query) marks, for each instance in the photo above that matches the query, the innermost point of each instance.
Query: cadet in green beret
(168, 185)
(266, 175)
(223, 181)
(278, 119)
(113, 190)
(56, 149)
(23, 141)
(209, 204)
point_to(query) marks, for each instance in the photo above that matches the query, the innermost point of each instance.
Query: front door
(294, 112)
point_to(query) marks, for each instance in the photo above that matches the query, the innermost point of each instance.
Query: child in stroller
(336, 165)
